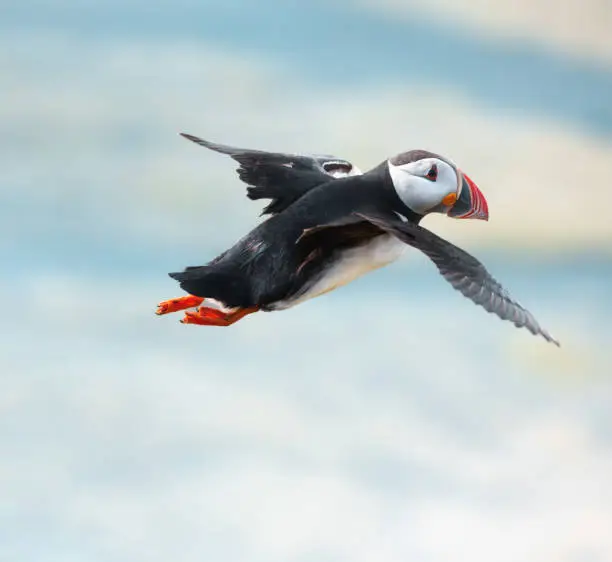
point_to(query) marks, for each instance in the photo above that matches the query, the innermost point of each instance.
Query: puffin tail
(196, 280)
(210, 283)
(189, 274)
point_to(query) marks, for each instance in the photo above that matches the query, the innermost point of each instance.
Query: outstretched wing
(281, 177)
(465, 273)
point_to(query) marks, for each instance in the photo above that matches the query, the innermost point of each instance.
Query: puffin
(328, 223)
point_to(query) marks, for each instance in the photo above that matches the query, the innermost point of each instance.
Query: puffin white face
(425, 185)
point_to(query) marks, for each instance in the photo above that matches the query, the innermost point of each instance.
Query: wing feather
(281, 177)
(465, 273)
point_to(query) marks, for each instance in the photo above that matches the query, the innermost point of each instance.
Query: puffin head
(428, 183)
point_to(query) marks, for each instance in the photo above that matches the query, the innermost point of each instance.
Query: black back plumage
(279, 257)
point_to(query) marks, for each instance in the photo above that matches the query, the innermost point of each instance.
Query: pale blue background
(389, 421)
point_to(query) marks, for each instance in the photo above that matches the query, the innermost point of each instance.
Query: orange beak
(471, 203)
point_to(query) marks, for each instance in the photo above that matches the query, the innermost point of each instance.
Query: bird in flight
(327, 224)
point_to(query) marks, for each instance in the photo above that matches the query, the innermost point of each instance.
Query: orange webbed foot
(180, 303)
(206, 316)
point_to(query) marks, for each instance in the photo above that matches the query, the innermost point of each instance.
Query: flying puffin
(328, 224)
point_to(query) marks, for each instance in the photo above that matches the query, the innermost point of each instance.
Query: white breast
(353, 263)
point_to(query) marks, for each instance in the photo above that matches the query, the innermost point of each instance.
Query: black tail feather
(190, 273)
(209, 282)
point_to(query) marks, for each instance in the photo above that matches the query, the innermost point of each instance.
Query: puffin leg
(180, 303)
(205, 316)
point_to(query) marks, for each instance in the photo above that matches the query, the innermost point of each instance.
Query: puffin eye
(432, 174)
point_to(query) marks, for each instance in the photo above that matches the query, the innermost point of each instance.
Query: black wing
(465, 273)
(281, 177)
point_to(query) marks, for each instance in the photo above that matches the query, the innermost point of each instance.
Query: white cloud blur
(329, 432)
(575, 27)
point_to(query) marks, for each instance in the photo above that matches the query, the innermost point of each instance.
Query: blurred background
(391, 420)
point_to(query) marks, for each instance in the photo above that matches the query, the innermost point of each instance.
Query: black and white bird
(328, 224)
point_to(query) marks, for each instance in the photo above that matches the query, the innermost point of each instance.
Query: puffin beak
(471, 203)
